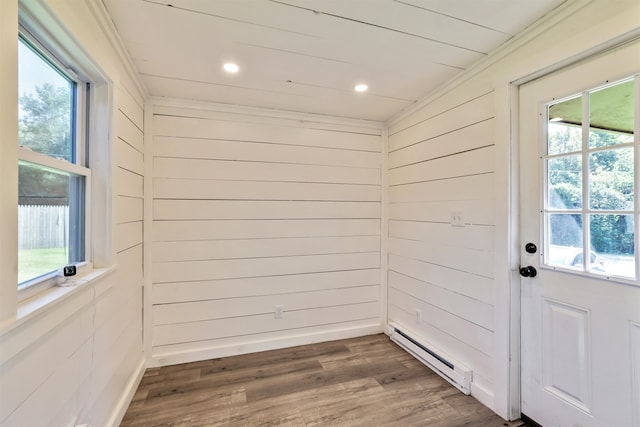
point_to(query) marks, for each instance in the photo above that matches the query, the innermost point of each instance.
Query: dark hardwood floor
(367, 381)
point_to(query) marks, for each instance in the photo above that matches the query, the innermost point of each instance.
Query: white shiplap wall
(441, 161)
(252, 212)
(76, 360)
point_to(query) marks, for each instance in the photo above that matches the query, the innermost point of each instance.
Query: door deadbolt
(531, 248)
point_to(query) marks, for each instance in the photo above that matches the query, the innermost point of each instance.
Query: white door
(579, 189)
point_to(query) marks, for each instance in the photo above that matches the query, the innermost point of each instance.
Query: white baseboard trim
(121, 407)
(164, 359)
(483, 395)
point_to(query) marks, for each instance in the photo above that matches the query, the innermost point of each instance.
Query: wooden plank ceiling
(307, 55)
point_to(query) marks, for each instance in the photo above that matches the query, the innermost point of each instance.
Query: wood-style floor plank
(366, 381)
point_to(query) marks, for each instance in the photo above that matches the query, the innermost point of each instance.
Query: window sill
(53, 296)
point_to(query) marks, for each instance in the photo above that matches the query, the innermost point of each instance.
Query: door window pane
(565, 240)
(564, 131)
(611, 184)
(565, 182)
(611, 115)
(612, 242)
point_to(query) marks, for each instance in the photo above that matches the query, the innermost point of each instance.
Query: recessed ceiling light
(230, 67)
(556, 119)
(361, 87)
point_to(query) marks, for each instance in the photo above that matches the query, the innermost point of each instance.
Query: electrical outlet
(418, 316)
(278, 311)
(457, 220)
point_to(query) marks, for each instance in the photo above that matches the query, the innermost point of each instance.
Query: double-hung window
(54, 178)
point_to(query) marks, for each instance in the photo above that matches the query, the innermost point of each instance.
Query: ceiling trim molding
(599, 49)
(550, 20)
(100, 13)
(303, 118)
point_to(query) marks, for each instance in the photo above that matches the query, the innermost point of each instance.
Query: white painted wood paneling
(520, 12)
(127, 209)
(127, 156)
(474, 261)
(199, 250)
(262, 323)
(262, 229)
(418, 20)
(253, 267)
(127, 235)
(473, 310)
(475, 162)
(193, 148)
(476, 212)
(250, 213)
(257, 171)
(244, 128)
(464, 139)
(462, 282)
(467, 113)
(178, 209)
(164, 188)
(267, 117)
(441, 161)
(167, 314)
(129, 131)
(176, 292)
(473, 335)
(55, 389)
(472, 237)
(122, 364)
(59, 346)
(127, 183)
(132, 109)
(474, 187)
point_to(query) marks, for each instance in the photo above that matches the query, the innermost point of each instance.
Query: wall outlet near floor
(278, 311)
(457, 220)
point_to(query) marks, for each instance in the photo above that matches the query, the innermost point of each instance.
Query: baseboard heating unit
(458, 375)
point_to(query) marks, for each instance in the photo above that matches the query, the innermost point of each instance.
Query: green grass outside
(36, 262)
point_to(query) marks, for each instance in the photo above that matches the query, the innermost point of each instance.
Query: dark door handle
(528, 271)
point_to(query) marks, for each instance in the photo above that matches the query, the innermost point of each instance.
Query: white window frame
(81, 118)
(94, 155)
